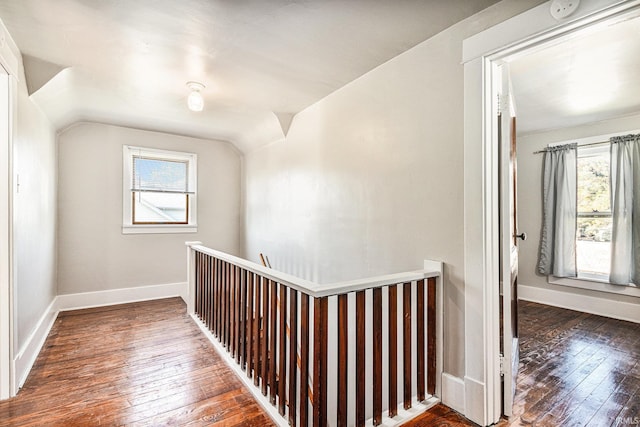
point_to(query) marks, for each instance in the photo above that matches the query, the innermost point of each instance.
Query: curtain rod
(582, 145)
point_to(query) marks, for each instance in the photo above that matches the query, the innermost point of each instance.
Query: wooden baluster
(343, 357)
(209, 295)
(393, 351)
(420, 339)
(377, 356)
(293, 354)
(250, 324)
(242, 311)
(238, 325)
(320, 362)
(360, 357)
(304, 360)
(406, 339)
(227, 300)
(265, 334)
(216, 298)
(229, 306)
(198, 285)
(273, 317)
(431, 335)
(256, 328)
(210, 275)
(234, 318)
(220, 303)
(282, 369)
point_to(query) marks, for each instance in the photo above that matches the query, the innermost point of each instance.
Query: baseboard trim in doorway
(620, 310)
(453, 392)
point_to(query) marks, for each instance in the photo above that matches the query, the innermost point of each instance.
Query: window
(159, 191)
(593, 239)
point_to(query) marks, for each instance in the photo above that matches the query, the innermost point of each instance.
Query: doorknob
(522, 236)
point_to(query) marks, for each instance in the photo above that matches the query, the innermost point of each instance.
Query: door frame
(6, 241)
(9, 72)
(481, 53)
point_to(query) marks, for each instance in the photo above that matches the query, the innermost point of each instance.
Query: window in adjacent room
(593, 238)
(159, 191)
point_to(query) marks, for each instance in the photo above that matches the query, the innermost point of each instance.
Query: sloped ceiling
(262, 61)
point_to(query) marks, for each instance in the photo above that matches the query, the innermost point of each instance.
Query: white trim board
(26, 357)
(588, 304)
(78, 301)
(453, 392)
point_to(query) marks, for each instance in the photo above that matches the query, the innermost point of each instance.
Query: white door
(509, 238)
(5, 240)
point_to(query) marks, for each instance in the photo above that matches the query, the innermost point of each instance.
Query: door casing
(481, 53)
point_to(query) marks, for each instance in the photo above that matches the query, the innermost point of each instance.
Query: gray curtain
(559, 200)
(625, 210)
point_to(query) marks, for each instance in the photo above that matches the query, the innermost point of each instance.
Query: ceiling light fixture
(195, 101)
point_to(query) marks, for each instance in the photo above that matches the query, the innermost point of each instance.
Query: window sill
(159, 229)
(595, 284)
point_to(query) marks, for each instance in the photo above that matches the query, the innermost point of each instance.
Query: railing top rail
(314, 289)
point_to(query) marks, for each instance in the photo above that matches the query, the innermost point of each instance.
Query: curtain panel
(557, 252)
(625, 210)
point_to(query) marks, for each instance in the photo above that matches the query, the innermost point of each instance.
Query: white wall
(370, 179)
(93, 254)
(34, 216)
(530, 209)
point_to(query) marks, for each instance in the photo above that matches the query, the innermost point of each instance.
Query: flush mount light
(195, 101)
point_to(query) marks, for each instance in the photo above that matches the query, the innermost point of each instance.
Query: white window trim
(128, 227)
(595, 282)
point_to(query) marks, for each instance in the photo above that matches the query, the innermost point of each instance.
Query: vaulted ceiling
(262, 61)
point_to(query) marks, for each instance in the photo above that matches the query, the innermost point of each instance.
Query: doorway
(481, 56)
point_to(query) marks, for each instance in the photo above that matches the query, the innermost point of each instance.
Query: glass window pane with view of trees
(593, 241)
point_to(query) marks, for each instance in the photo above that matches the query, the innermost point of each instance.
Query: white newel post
(191, 277)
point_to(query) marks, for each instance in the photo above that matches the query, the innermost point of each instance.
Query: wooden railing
(306, 352)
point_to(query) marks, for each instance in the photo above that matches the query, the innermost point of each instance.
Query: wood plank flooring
(147, 364)
(576, 369)
(141, 364)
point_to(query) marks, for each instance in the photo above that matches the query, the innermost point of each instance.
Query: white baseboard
(78, 301)
(453, 392)
(588, 304)
(271, 410)
(474, 399)
(26, 357)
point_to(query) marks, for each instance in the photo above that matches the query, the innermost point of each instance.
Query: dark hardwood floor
(141, 364)
(576, 369)
(148, 364)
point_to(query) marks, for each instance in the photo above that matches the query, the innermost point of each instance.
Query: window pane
(593, 245)
(593, 179)
(163, 175)
(160, 208)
